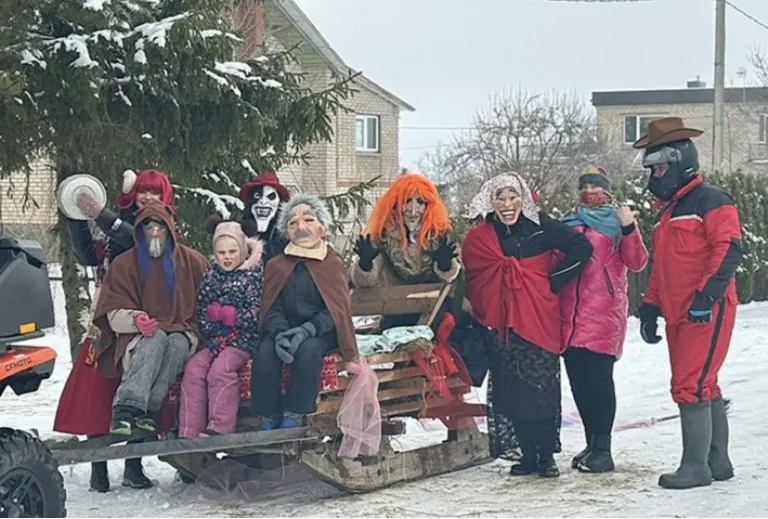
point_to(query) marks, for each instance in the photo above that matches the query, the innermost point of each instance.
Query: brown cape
(330, 277)
(123, 290)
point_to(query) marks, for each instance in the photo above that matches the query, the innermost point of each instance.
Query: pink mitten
(146, 325)
(213, 312)
(228, 315)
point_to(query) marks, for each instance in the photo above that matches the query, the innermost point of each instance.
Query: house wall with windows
(622, 118)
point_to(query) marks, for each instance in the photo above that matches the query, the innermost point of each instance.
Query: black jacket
(299, 301)
(526, 239)
(119, 236)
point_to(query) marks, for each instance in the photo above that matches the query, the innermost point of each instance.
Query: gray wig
(317, 208)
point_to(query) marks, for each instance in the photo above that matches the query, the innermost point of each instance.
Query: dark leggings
(591, 376)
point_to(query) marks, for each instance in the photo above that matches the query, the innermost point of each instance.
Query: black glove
(366, 251)
(444, 253)
(649, 315)
(700, 310)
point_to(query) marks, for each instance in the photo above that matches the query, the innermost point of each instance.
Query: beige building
(366, 140)
(623, 116)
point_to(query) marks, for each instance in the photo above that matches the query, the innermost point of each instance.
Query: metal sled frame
(401, 394)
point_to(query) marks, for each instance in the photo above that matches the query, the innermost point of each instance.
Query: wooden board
(405, 299)
(470, 448)
(68, 454)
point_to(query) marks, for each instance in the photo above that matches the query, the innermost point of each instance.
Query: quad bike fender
(24, 367)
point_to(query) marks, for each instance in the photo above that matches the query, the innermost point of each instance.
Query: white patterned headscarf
(482, 203)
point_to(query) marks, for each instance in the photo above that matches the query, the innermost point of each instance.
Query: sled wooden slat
(428, 319)
(406, 299)
(70, 455)
(383, 376)
(397, 357)
(331, 406)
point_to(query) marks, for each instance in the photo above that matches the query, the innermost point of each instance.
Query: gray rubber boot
(719, 463)
(696, 424)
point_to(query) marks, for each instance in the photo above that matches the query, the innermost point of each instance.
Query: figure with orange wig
(85, 405)
(407, 240)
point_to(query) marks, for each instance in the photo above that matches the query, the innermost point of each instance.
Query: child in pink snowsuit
(228, 304)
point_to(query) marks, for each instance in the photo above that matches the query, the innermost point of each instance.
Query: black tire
(28, 469)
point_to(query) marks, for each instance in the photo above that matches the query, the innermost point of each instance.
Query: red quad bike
(30, 482)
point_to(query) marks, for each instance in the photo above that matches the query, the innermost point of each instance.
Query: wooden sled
(404, 391)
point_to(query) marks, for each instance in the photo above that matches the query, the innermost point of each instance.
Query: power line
(601, 1)
(746, 14)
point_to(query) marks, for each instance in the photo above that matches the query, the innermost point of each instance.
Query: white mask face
(266, 201)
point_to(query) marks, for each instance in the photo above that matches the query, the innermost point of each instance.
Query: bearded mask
(413, 214)
(156, 236)
(265, 202)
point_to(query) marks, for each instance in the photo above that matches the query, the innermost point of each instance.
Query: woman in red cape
(512, 287)
(85, 405)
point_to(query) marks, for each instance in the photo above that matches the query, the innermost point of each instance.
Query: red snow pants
(696, 353)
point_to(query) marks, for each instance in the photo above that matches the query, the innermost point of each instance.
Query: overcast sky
(446, 57)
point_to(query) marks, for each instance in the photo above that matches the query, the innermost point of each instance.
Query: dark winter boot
(696, 424)
(719, 463)
(529, 463)
(599, 459)
(583, 454)
(134, 476)
(99, 477)
(546, 444)
(548, 467)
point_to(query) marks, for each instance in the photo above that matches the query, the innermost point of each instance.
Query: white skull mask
(264, 208)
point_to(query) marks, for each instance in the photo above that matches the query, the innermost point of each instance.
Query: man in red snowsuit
(696, 250)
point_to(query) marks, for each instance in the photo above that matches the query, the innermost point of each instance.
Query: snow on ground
(641, 454)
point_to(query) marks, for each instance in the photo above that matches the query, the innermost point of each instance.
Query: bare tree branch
(547, 138)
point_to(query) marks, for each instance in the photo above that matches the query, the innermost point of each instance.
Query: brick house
(623, 116)
(366, 141)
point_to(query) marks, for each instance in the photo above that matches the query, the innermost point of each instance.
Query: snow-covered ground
(641, 454)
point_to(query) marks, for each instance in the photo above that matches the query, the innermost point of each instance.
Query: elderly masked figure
(262, 197)
(305, 314)
(146, 316)
(407, 242)
(512, 289)
(86, 387)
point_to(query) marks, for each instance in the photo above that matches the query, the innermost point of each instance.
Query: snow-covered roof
(312, 35)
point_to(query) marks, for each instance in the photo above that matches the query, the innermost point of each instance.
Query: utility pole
(719, 116)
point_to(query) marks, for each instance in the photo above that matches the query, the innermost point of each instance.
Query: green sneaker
(145, 423)
(120, 426)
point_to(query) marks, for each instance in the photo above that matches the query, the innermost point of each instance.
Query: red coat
(696, 248)
(593, 308)
(510, 293)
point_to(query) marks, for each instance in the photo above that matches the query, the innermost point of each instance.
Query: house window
(762, 135)
(367, 132)
(635, 126)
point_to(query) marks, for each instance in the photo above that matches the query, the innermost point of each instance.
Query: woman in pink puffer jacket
(593, 311)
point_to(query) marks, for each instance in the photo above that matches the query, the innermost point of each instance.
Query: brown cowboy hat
(664, 130)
